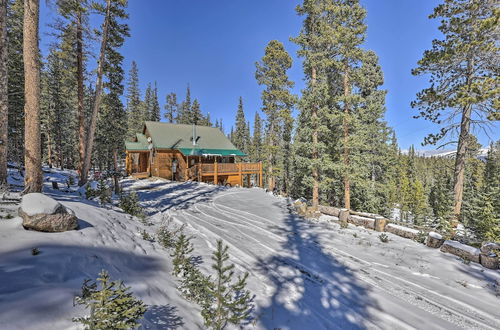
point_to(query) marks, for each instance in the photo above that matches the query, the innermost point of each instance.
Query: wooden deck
(233, 170)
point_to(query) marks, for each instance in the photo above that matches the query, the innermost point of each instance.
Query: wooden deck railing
(199, 170)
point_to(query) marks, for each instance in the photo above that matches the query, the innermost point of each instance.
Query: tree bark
(345, 124)
(79, 77)
(315, 172)
(32, 145)
(463, 140)
(270, 174)
(4, 110)
(458, 188)
(97, 100)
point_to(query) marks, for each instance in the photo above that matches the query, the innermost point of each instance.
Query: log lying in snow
(434, 240)
(465, 252)
(364, 214)
(329, 210)
(362, 221)
(402, 231)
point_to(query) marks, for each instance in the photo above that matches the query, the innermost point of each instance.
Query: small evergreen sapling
(195, 286)
(112, 305)
(129, 203)
(229, 302)
(182, 259)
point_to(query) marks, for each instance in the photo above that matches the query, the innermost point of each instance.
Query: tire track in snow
(420, 295)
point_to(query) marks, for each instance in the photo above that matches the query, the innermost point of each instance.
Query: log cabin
(188, 153)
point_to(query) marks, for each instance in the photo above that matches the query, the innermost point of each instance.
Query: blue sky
(213, 46)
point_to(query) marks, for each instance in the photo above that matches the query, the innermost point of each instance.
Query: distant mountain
(483, 152)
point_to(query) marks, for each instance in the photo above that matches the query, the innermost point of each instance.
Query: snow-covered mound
(305, 275)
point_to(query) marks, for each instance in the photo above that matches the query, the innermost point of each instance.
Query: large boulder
(42, 213)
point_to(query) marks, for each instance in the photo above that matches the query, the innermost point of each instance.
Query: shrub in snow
(195, 286)
(129, 203)
(112, 305)
(166, 236)
(146, 236)
(229, 302)
(35, 251)
(103, 192)
(383, 237)
(421, 236)
(181, 255)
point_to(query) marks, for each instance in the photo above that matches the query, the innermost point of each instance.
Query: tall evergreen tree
(195, 116)
(112, 35)
(134, 109)
(33, 155)
(256, 154)
(15, 86)
(184, 111)
(312, 133)
(463, 71)
(171, 107)
(240, 135)
(277, 102)
(155, 105)
(4, 103)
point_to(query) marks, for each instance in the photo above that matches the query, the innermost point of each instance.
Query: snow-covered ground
(305, 274)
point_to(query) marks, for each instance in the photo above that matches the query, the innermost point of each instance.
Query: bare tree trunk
(4, 110)
(270, 158)
(32, 138)
(315, 171)
(49, 149)
(345, 124)
(97, 100)
(79, 77)
(458, 175)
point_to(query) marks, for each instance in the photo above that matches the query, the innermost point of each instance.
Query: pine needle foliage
(181, 254)
(230, 302)
(111, 304)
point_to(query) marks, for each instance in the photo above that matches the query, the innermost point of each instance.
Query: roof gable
(179, 136)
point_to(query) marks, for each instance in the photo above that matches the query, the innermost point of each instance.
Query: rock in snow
(42, 213)
(463, 251)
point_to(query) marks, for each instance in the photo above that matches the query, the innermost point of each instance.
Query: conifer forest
(71, 107)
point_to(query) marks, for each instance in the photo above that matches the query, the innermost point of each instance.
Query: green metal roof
(211, 141)
(140, 143)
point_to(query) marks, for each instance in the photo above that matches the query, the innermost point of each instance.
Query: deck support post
(239, 175)
(216, 181)
(260, 174)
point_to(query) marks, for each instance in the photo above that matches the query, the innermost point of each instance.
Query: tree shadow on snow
(161, 317)
(55, 276)
(312, 289)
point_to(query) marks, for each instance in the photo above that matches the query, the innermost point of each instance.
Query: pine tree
(181, 255)
(418, 206)
(239, 136)
(15, 85)
(184, 110)
(134, 110)
(171, 107)
(4, 103)
(155, 105)
(312, 130)
(195, 286)
(462, 69)
(195, 116)
(231, 302)
(147, 104)
(112, 37)
(33, 155)
(256, 154)
(112, 305)
(277, 102)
